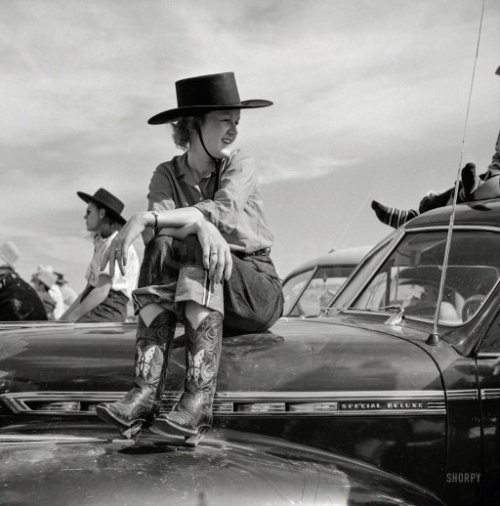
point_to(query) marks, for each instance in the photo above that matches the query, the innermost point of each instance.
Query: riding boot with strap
(193, 413)
(141, 404)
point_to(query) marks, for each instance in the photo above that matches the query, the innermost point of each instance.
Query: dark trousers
(172, 272)
(112, 309)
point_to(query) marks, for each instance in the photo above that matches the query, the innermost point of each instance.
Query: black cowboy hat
(60, 278)
(102, 198)
(201, 94)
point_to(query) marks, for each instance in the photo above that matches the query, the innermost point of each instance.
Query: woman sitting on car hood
(208, 262)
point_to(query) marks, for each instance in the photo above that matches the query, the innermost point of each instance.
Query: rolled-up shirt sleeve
(161, 191)
(237, 185)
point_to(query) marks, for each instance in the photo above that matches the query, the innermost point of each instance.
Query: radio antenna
(433, 338)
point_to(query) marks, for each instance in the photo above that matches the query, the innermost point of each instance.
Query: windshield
(363, 270)
(307, 293)
(410, 276)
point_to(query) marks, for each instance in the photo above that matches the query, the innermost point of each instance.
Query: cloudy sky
(370, 102)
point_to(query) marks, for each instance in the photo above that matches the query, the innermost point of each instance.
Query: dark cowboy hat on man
(103, 198)
(202, 94)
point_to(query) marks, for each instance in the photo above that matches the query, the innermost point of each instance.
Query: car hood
(294, 356)
(329, 354)
(41, 466)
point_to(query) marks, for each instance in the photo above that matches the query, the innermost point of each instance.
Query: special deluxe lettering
(378, 405)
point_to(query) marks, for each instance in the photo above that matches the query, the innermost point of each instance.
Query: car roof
(344, 256)
(476, 213)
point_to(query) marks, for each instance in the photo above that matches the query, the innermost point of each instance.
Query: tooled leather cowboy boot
(193, 413)
(142, 403)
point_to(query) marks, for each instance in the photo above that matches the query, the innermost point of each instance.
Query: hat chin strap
(217, 161)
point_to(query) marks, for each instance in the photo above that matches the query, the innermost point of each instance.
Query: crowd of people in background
(18, 299)
(48, 295)
(54, 291)
(107, 297)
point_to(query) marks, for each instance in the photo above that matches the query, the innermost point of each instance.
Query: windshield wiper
(381, 309)
(394, 319)
(398, 307)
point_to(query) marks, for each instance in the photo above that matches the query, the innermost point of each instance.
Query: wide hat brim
(90, 198)
(47, 278)
(173, 115)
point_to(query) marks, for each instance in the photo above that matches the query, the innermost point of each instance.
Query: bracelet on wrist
(155, 213)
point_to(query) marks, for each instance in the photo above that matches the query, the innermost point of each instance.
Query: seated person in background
(472, 187)
(18, 300)
(54, 290)
(105, 298)
(43, 281)
(68, 294)
(425, 305)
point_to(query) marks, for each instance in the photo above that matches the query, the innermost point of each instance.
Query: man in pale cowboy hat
(43, 280)
(54, 290)
(107, 293)
(207, 263)
(18, 300)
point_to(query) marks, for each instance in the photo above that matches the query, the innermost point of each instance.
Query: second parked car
(309, 287)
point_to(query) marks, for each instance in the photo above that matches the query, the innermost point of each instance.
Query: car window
(293, 287)
(372, 260)
(491, 340)
(410, 276)
(320, 289)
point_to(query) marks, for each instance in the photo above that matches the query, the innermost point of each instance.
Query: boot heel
(165, 427)
(192, 441)
(126, 427)
(178, 439)
(133, 432)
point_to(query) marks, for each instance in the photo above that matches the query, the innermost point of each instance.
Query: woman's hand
(118, 250)
(216, 253)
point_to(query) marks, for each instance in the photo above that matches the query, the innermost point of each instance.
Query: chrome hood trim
(245, 404)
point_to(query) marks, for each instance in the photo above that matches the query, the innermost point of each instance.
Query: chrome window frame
(395, 245)
(306, 284)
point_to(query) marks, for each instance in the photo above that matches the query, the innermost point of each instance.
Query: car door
(488, 367)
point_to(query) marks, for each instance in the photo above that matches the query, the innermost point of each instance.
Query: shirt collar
(97, 238)
(181, 167)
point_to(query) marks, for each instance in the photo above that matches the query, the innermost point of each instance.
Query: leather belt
(258, 253)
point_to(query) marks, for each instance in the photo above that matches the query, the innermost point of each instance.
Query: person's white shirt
(55, 293)
(69, 295)
(125, 283)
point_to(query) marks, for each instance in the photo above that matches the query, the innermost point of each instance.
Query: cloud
(313, 165)
(357, 85)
